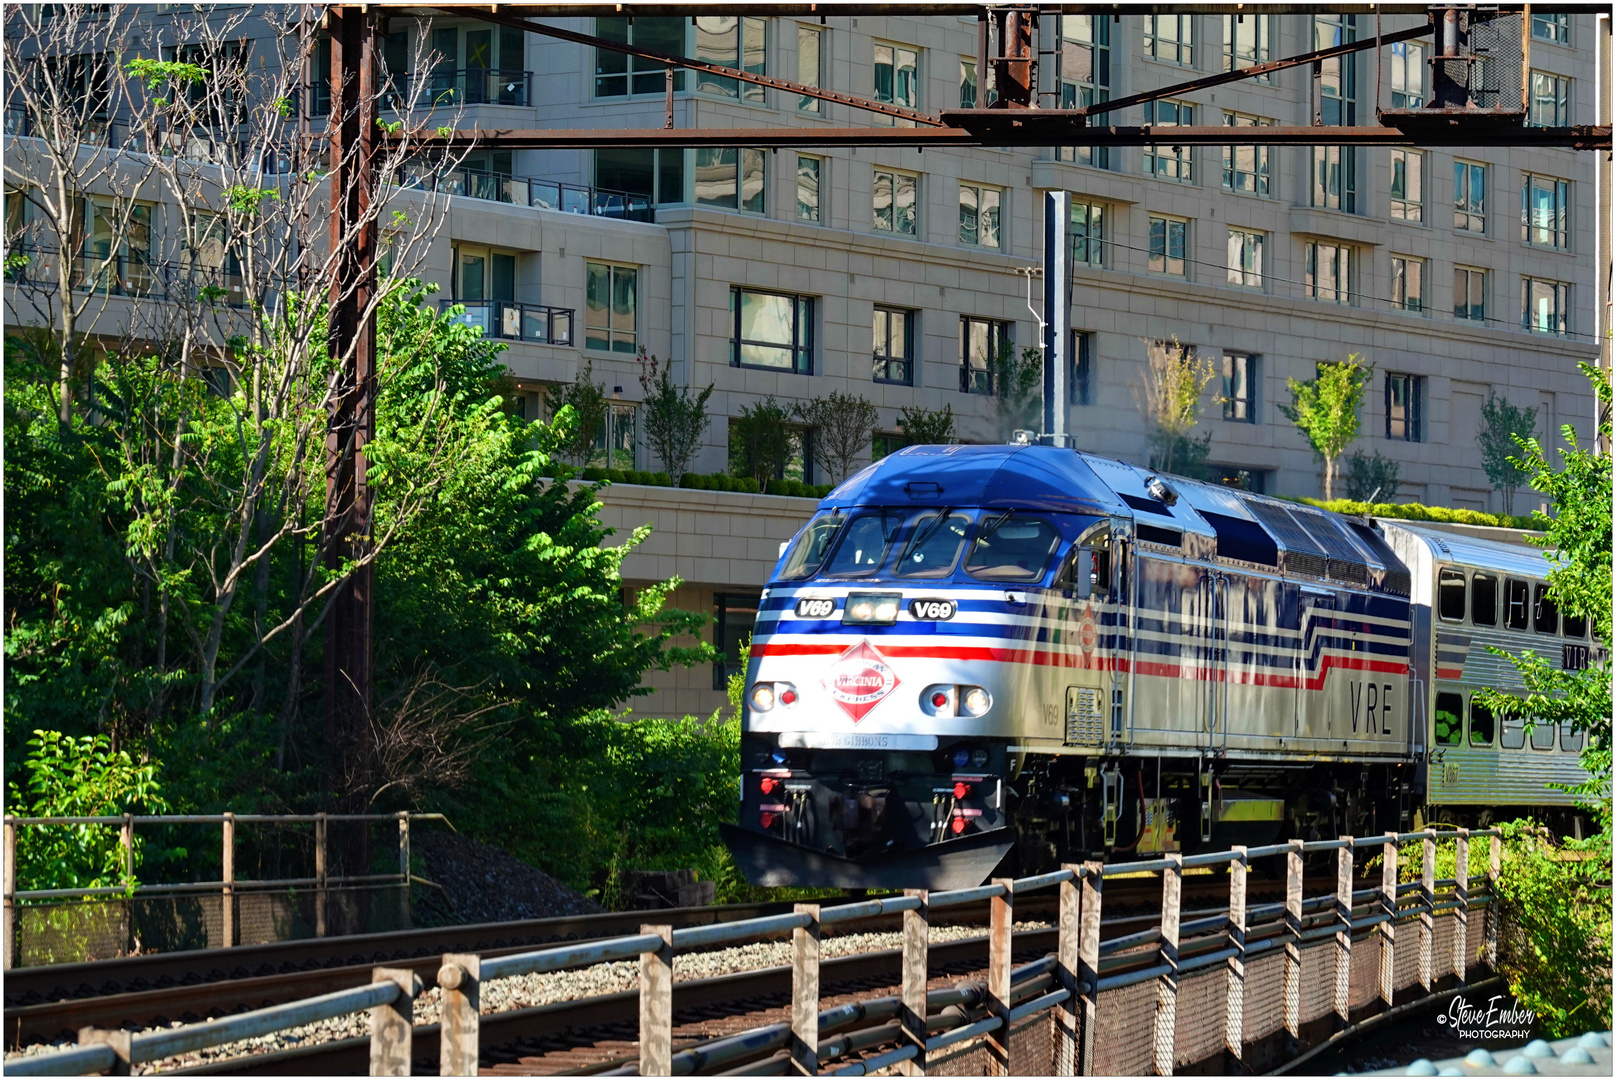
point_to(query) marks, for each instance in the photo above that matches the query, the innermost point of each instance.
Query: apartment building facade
(893, 273)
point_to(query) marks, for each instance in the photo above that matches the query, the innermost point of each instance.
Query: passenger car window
(863, 546)
(1543, 735)
(1517, 614)
(1483, 600)
(809, 550)
(934, 545)
(1449, 719)
(1450, 591)
(1511, 732)
(1545, 615)
(1481, 724)
(1012, 548)
(1570, 740)
(1575, 625)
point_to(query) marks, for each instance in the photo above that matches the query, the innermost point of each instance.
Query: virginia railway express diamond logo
(859, 679)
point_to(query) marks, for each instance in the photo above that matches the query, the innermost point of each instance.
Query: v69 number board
(815, 608)
(932, 610)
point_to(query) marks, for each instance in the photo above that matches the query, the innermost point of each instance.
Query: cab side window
(1570, 741)
(1517, 610)
(1483, 600)
(1545, 613)
(1511, 732)
(1449, 719)
(1481, 724)
(1543, 735)
(1450, 592)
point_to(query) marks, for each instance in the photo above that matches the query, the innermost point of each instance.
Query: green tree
(673, 417)
(1371, 477)
(82, 777)
(1325, 407)
(760, 441)
(1170, 397)
(927, 427)
(1577, 540)
(1501, 422)
(588, 405)
(842, 425)
(1018, 390)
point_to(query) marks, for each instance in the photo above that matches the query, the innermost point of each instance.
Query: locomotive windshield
(934, 544)
(809, 550)
(864, 543)
(1012, 547)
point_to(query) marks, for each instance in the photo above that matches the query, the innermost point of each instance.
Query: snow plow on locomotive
(979, 653)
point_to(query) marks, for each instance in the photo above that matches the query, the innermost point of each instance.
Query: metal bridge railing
(1070, 982)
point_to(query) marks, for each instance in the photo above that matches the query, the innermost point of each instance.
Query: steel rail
(854, 10)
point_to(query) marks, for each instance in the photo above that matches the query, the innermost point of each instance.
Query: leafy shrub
(1369, 475)
(1416, 512)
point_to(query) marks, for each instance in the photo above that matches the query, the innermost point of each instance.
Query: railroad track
(197, 985)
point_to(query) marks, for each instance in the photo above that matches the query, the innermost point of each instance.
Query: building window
(117, 248)
(1469, 196)
(1241, 479)
(611, 299)
(1088, 233)
(615, 442)
(1246, 258)
(1408, 75)
(808, 175)
(1168, 246)
(1245, 168)
(1240, 387)
(893, 197)
(1408, 185)
(734, 615)
(733, 42)
(1335, 182)
(894, 346)
(810, 43)
(1545, 305)
(886, 443)
(979, 215)
(618, 74)
(1408, 283)
(1328, 274)
(1082, 377)
(1169, 162)
(771, 330)
(897, 81)
(1247, 41)
(1551, 100)
(1085, 73)
(1469, 293)
(1170, 39)
(969, 85)
(729, 177)
(1543, 211)
(981, 342)
(658, 175)
(1555, 28)
(484, 274)
(1404, 400)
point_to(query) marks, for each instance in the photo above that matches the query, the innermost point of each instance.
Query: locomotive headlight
(975, 701)
(763, 697)
(879, 609)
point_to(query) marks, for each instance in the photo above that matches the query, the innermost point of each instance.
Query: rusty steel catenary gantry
(1010, 41)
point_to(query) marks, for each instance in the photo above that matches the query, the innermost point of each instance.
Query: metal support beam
(352, 421)
(1006, 127)
(1057, 312)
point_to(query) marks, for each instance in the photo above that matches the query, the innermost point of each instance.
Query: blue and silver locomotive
(974, 653)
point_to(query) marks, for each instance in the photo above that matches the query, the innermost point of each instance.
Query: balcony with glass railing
(529, 191)
(128, 272)
(507, 320)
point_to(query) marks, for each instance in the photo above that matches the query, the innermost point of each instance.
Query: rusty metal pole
(1001, 926)
(1167, 985)
(1234, 1018)
(1461, 914)
(392, 1025)
(352, 420)
(1088, 970)
(126, 840)
(1069, 959)
(1293, 940)
(1388, 929)
(1343, 933)
(656, 1004)
(404, 869)
(1427, 908)
(915, 952)
(805, 992)
(460, 980)
(319, 875)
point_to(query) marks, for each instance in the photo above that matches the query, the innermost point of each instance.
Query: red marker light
(766, 819)
(788, 697)
(961, 789)
(959, 825)
(767, 784)
(939, 699)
